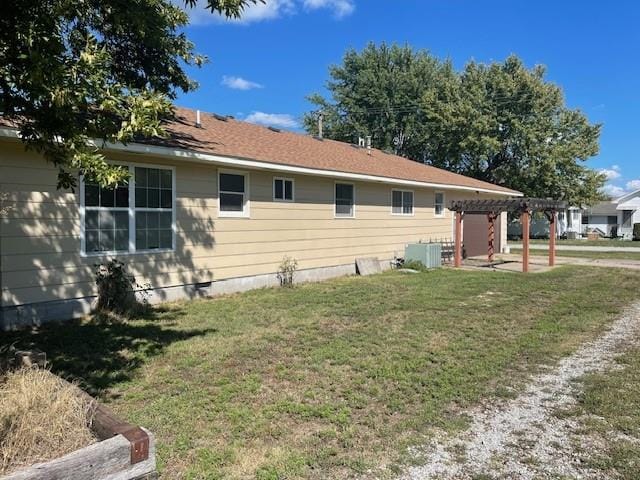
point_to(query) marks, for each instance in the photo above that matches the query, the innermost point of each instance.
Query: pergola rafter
(493, 208)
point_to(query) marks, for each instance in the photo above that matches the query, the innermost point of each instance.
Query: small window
(344, 200)
(439, 204)
(402, 202)
(283, 189)
(233, 195)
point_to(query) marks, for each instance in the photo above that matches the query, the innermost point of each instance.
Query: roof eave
(195, 156)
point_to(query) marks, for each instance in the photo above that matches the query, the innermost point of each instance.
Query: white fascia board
(193, 156)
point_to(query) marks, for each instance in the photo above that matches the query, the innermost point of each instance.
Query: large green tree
(502, 122)
(72, 71)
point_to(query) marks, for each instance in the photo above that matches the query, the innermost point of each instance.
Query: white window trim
(246, 210)
(131, 209)
(444, 204)
(335, 214)
(413, 203)
(293, 189)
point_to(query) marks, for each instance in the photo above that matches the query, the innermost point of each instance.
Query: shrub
(287, 270)
(636, 231)
(117, 289)
(414, 265)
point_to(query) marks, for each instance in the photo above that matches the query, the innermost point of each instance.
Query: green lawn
(612, 400)
(329, 380)
(605, 242)
(585, 254)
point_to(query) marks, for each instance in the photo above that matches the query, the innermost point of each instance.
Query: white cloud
(239, 83)
(270, 10)
(340, 8)
(633, 185)
(283, 120)
(613, 191)
(611, 173)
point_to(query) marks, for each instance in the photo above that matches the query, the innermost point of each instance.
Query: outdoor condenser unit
(429, 254)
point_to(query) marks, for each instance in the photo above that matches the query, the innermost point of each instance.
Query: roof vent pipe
(198, 123)
(369, 144)
(320, 125)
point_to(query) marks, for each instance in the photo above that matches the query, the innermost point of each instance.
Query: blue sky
(261, 68)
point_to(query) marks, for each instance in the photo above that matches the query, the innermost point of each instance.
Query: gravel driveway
(523, 438)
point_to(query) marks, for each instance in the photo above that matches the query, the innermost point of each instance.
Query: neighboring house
(212, 209)
(569, 225)
(619, 214)
(605, 218)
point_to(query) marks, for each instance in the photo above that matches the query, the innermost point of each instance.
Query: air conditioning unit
(429, 254)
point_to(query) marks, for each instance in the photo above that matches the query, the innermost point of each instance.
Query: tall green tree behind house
(501, 122)
(72, 71)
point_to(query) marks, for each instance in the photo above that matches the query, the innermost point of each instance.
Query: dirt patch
(41, 418)
(525, 438)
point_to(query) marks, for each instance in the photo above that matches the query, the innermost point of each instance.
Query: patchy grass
(330, 380)
(604, 242)
(585, 254)
(612, 402)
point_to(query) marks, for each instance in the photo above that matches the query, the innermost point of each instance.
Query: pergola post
(492, 236)
(457, 257)
(552, 237)
(524, 220)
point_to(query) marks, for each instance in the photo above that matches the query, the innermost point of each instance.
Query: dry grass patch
(42, 417)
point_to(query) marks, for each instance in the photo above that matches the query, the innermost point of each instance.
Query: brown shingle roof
(233, 138)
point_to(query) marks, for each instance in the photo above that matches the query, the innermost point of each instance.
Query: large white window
(136, 217)
(345, 200)
(438, 204)
(233, 196)
(283, 189)
(401, 202)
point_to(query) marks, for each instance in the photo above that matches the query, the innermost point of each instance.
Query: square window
(283, 189)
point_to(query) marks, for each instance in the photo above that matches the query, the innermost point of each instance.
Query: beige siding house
(213, 209)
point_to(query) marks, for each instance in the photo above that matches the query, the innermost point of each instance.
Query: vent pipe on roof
(320, 125)
(369, 144)
(198, 123)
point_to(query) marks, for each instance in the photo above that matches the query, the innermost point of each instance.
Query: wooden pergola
(493, 208)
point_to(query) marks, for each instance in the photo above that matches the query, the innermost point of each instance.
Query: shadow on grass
(99, 353)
